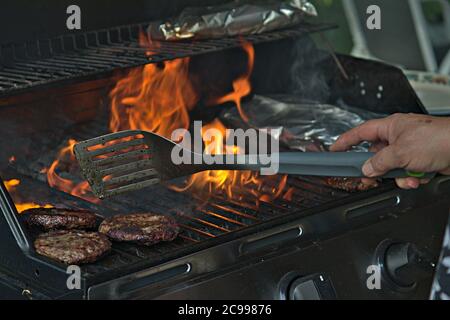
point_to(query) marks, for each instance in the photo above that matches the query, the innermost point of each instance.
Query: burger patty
(54, 218)
(143, 228)
(72, 247)
(349, 184)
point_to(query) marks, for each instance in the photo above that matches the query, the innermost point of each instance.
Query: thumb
(385, 160)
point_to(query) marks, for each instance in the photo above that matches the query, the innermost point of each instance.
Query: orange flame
(154, 98)
(11, 186)
(146, 42)
(159, 99)
(21, 207)
(242, 86)
(289, 194)
(66, 156)
(235, 185)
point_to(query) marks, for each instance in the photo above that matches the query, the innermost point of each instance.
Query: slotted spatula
(134, 159)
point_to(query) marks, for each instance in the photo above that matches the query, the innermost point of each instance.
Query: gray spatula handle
(334, 164)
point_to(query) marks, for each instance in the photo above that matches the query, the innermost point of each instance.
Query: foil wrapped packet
(304, 126)
(231, 20)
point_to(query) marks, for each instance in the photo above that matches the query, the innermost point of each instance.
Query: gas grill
(57, 88)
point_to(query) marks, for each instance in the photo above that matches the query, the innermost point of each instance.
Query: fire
(289, 194)
(154, 98)
(235, 185)
(65, 158)
(209, 181)
(158, 98)
(147, 42)
(242, 86)
(11, 186)
(21, 207)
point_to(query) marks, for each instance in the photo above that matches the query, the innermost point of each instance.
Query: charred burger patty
(349, 184)
(72, 247)
(54, 218)
(143, 228)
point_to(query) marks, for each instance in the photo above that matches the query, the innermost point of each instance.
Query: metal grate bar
(198, 231)
(185, 237)
(224, 218)
(234, 211)
(41, 71)
(222, 215)
(18, 74)
(210, 224)
(70, 57)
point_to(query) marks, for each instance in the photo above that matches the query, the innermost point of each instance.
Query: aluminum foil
(231, 20)
(305, 126)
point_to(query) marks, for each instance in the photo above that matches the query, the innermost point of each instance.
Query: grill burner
(27, 65)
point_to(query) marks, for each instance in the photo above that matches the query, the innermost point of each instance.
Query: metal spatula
(131, 160)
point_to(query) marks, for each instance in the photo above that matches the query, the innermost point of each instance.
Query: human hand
(417, 143)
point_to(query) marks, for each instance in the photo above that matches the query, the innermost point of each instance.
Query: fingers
(381, 166)
(373, 130)
(377, 146)
(373, 148)
(369, 182)
(411, 183)
(425, 181)
(408, 183)
(385, 160)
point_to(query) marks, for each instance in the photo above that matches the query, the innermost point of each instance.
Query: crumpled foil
(232, 20)
(304, 126)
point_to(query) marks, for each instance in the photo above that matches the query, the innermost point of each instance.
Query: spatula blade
(116, 163)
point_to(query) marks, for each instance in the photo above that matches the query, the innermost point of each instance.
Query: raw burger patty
(54, 218)
(72, 247)
(144, 228)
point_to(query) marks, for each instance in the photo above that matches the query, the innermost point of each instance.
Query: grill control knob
(314, 287)
(304, 290)
(404, 264)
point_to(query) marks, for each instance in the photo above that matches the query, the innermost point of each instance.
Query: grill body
(338, 243)
(241, 251)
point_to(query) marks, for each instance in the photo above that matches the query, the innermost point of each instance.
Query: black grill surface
(201, 225)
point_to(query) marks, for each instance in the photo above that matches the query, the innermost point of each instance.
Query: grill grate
(69, 57)
(201, 221)
(216, 219)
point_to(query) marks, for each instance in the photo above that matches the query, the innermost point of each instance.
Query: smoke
(308, 79)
